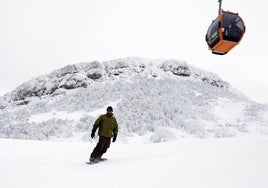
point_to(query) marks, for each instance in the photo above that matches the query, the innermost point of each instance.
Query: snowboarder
(108, 128)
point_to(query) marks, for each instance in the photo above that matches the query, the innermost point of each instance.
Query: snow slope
(189, 163)
(162, 106)
(166, 99)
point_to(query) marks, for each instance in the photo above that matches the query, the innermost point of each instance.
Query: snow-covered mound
(164, 99)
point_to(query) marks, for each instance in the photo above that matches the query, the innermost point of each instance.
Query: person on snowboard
(108, 128)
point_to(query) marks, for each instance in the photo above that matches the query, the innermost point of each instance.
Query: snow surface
(63, 115)
(239, 161)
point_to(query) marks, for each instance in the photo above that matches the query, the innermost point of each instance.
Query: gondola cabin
(225, 32)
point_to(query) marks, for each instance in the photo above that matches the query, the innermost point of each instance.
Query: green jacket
(107, 125)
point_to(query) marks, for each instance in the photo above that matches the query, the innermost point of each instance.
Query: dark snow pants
(101, 147)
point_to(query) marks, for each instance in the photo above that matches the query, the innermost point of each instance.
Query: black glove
(114, 138)
(92, 134)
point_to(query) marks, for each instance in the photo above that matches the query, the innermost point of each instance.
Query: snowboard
(102, 160)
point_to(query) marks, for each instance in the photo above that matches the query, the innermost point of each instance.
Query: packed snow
(239, 161)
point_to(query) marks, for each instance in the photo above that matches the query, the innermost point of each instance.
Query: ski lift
(225, 32)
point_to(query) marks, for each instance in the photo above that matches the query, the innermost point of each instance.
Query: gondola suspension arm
(220, 1)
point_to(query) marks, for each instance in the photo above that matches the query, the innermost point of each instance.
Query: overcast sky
(39, 36)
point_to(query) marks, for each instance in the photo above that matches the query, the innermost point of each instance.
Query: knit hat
(109, 108)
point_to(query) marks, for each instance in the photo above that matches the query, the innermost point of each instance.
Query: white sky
(37, 37)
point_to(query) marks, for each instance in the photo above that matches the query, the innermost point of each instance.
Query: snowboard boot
(102, 159)
(93, 160)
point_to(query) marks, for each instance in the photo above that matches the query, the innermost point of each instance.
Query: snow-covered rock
(163, 99)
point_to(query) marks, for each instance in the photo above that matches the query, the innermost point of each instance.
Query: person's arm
(115, 131)
(95, 127)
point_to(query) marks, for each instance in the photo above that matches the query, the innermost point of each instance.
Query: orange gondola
(225, 32)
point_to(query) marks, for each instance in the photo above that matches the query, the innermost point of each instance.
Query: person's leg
(98, 149)
(106, 145)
